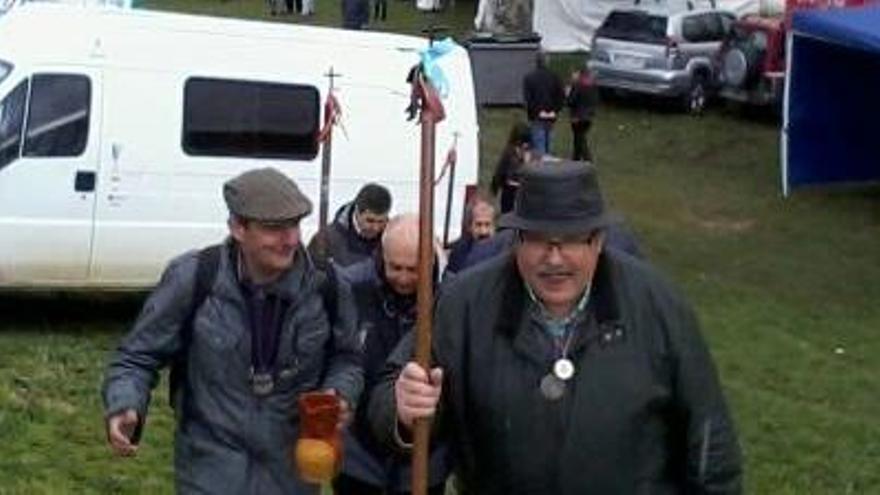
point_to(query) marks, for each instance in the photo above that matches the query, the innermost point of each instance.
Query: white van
(119, 127)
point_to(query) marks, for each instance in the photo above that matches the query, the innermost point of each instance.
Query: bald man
(385, 293)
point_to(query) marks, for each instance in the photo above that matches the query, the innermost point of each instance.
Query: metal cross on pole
(432, 30)
(331, 112)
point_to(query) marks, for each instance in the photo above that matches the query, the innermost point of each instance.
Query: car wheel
(734, 68)
(695, 98)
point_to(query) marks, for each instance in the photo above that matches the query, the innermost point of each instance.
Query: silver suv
(659, 53)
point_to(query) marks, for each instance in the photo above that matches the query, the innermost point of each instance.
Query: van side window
(250, 119)
(58, 116)
(11, 119)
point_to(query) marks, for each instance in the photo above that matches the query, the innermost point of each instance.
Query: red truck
(751, 62)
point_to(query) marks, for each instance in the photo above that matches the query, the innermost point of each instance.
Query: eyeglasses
(566, 243)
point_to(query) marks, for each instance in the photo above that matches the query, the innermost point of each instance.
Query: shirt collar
(555, 325)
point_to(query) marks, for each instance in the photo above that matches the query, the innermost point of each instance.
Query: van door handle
(84, 181)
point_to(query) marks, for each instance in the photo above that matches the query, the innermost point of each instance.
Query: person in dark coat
(356, 229)
(566, 367)
(380, 10)
(516, 153)
(261, 336)
(544, 96)
(582, 100)
(355, 13)
(478, 242)
(384, 289)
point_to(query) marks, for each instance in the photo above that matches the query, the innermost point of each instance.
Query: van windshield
(11, 120)
(635, 26)
(5, 69)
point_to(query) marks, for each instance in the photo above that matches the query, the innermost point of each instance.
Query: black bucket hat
(558, 197)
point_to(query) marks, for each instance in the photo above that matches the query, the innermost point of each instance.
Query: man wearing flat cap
(246, 327)
(567, 367)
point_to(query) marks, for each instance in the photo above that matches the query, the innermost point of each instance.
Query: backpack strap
(206, 275)
(328, 293)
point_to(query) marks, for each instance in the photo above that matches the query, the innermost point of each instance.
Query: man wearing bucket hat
(245, 326)
(567, 367)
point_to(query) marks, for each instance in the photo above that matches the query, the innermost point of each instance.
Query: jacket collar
(603, 305)
(602, 311)
(289, 286)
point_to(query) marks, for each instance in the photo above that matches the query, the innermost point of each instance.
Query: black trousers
(346, 485)
(581, 150)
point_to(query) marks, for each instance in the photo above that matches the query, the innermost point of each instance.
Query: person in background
(515, 154)
(544, 96)
(478, 242)
(307, 7)
(242, 352)
(384, 289)
(582, 100)
(355, 13)
(356, 229)
(380, 10)
(566, 366)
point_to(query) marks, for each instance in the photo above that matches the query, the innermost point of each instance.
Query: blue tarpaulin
(831, 128)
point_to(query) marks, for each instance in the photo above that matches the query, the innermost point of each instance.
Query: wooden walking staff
(425, 100)
(331, 116)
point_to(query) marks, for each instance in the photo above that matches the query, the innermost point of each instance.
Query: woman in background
(582, 98)
(515, 154)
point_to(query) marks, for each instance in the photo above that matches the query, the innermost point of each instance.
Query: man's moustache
(554, 273)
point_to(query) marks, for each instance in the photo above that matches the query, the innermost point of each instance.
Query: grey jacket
(643, 414)
(228, 440)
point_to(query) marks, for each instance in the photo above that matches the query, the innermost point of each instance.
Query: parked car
(659, 53)
(751, 63)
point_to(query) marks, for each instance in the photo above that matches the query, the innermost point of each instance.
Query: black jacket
(644, 412)
(384, 318)
(506, 174)
(339, 242)
(542, 90)
(582, 100)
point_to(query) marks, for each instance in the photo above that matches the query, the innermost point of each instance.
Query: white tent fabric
(568, 25)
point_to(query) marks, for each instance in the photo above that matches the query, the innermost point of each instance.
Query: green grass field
(787, 290)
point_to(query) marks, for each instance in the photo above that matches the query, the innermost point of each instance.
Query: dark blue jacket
(384, 318)
(467, 252)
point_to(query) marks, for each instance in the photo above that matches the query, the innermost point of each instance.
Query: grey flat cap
(265, 195)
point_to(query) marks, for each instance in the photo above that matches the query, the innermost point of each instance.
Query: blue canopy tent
(831, 127)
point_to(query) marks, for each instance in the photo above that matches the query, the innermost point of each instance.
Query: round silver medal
(262, 383)
(563, 369)
(552, 388)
